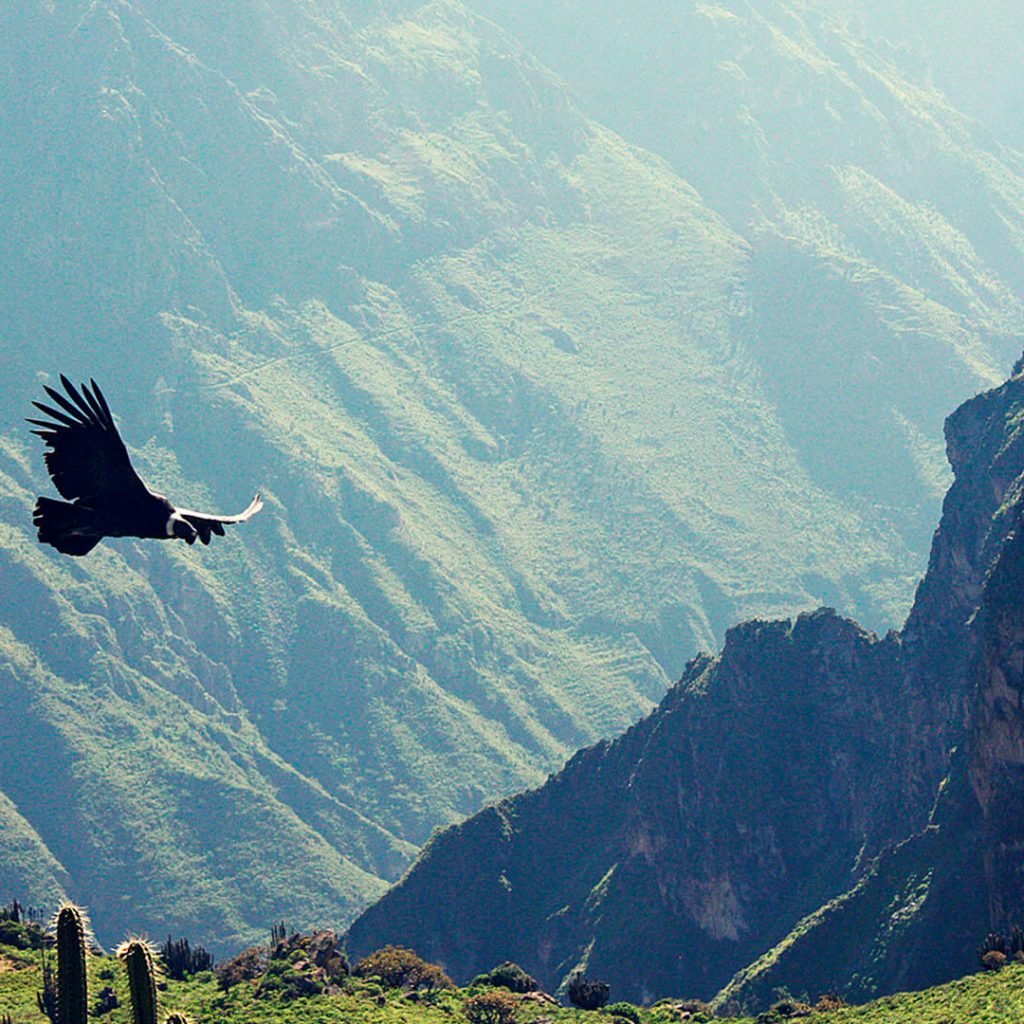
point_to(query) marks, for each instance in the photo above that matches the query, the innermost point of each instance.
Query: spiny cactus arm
(73, 936)
(139, 961)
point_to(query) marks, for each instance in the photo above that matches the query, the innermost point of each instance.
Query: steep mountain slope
(510, 385)
(974, 54)
(764, 782)
(883, 251)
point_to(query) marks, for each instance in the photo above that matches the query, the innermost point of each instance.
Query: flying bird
(89, 465)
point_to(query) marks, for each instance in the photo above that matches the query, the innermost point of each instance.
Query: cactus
(46, 1000)
(140, 965)
(72, 927)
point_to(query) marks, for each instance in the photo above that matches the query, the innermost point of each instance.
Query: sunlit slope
(885, 227)
(507, 384)
(974, 54)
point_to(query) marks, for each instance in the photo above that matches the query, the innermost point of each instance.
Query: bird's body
(89, 465)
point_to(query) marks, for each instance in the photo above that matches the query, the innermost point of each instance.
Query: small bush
(398, 967)
(21, 934)
(993, 960)
(828, 1002)
(284, 981)
(366, 989)
(693, 1006)
(695, 1010)
(627, 1011)
(491, 1008)
(511, 976)
(785, 1009)
(586, 994)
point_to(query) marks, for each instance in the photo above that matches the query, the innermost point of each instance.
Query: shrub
(627, 1011)
(785, 1009)
(828, 1002)
(21, 934)
(367, 989)
(511, 976)
(1010, 947)
(586, 994)
(491, 1008)
(993, 960)
(693, 1006)
(695, 1010)
(398, 967)
(287, 981)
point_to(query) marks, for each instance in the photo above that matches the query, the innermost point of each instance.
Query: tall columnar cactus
(140, 964)
(72, 927)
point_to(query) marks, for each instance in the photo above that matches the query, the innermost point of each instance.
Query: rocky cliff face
(919, 914)
(762, 786)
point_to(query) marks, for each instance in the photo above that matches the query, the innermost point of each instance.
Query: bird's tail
(67, 527)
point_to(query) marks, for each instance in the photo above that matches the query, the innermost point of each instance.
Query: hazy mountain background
(553, 359)
(973, 54)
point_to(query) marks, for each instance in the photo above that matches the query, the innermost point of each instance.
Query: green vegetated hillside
(774, 823)
(532, 417)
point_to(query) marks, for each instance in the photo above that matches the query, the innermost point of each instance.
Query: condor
(89, 465)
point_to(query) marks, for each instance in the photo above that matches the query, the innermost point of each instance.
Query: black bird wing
(87, 458)
(207, 524)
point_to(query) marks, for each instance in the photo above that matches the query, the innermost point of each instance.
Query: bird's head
(178, 526)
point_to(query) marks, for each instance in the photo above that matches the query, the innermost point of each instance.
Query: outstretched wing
(207, 525)
(87, 458)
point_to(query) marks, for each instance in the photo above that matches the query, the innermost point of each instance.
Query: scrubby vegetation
(494, 1007)
(20, 927)
(509, 975)
(997, 949)
(277, 988)
(397, 967)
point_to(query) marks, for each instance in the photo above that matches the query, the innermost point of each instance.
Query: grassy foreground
(996, 998)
